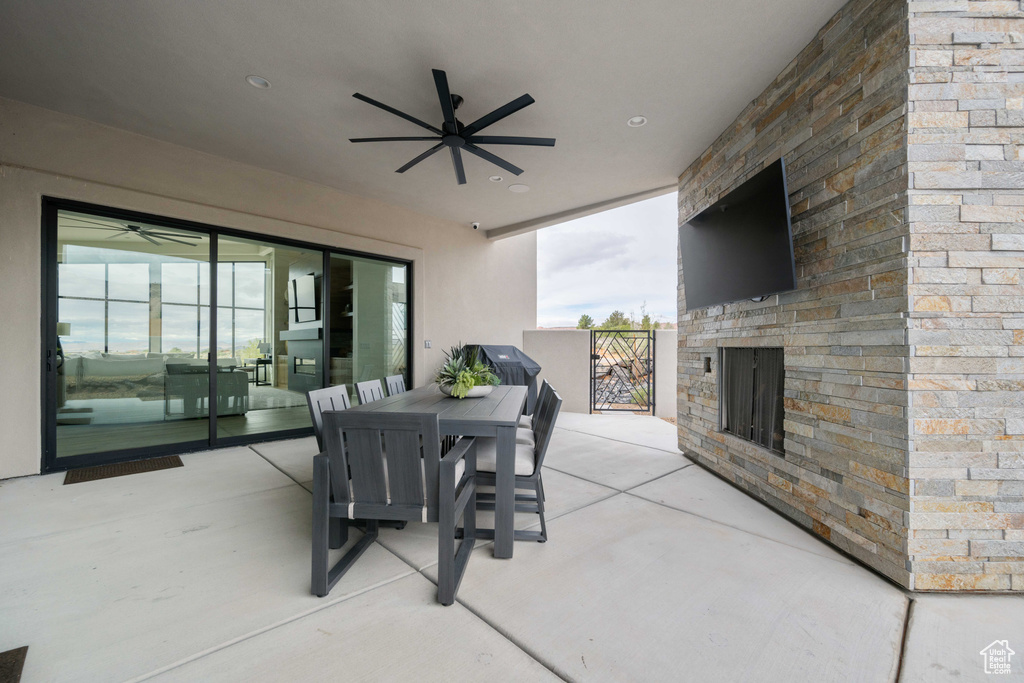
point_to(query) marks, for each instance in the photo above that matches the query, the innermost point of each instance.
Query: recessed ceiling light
(495, 178)
(636, 121)
(257, 82)
(518, 188)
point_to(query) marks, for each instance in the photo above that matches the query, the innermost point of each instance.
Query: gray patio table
(494, 415)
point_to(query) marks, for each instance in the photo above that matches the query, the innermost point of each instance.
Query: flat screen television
(302, 299)
(740, 247)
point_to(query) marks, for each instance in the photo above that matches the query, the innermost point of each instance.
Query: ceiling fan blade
(460, 172)
(102, 225)
(420, 158)
(496, 160)
(388, 139)
(121, 233)
(504, 140)
(158, 233)
(94, 227)
(497, 115)
(147, 238)
(394, 111)
(445, 96)
(170, 239)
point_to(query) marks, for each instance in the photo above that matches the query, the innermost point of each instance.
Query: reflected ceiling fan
(456, 136)
(150, 234)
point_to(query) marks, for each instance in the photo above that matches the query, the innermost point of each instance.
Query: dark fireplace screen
(305, 366)
(753, 383)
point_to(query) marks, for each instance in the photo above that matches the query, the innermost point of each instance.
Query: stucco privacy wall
(837, 114)
(966, 131)
(46, 153)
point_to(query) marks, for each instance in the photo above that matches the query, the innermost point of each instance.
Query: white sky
(612, 260)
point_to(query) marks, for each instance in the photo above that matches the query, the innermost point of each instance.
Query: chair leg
(540, 510)
(451, 565)
(446, 541)
(321, 524)
(339, 532)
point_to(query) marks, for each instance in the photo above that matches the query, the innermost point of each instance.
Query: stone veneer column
(966, 215)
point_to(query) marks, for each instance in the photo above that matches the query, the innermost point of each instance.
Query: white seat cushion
(525, 436)
(487, 456)
(526, 422)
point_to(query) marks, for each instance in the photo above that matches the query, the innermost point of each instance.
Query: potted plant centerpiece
(462, 375)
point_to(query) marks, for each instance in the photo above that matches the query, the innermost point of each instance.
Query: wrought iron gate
(622, 370)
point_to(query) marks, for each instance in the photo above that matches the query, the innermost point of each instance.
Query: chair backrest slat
(395, 384)
(542, 398)
(545, 426)
(405, 471)
(366, 465)
(319, 400)
(369, 391)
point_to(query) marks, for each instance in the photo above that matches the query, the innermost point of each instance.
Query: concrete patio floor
(655, 570)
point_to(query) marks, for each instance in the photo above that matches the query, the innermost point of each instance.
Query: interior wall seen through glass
(369, 321)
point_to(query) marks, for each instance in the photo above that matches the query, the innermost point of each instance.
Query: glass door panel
(130, 368)
(269, 335)
(369, 327)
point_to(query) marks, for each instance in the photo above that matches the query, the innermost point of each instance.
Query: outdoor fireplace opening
(750, 395)
(304, 366)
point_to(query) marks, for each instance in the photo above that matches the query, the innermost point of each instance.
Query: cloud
(617, 259)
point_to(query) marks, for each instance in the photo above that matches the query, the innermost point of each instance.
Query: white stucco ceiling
(175, 71)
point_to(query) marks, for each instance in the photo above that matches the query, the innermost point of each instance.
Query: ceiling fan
(456, 136)
(150, 234)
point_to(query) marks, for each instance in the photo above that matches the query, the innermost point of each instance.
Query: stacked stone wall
(837, 115)
(966, 339)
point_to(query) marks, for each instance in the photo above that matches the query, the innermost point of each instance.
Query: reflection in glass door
(369, 321)
(132, 335)
(137, 316)
(269, 335)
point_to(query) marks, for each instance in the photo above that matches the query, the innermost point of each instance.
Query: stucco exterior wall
(564, 358)
(44, 153)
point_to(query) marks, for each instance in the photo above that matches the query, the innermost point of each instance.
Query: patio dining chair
(526, 421)
(395, 384)
(529, 461)
(414, 482)
(319, 400)
(369, 391)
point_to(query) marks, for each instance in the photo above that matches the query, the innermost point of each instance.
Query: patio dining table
(496, 415)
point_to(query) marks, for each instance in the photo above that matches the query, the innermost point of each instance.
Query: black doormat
(120, 469)
(11, 664)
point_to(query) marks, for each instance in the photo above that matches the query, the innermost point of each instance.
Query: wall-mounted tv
(302, 299)
(740, 247)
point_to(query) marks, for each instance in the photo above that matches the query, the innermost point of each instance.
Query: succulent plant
(462, 370)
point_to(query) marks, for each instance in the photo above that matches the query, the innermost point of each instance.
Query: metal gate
(622, 370)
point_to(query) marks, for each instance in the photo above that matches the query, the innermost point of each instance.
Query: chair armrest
(461, 449)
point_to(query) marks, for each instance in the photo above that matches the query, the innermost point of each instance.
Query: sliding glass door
(369, 321)
(270, 331)
(132, 333)
(163, 336)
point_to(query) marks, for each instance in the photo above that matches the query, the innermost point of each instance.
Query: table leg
(505, 492)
